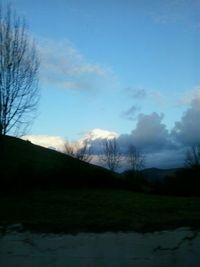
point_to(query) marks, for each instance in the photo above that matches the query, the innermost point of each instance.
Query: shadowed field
(98, 210)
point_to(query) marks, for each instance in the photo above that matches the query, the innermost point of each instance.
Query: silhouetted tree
(135, 158)
(19, 64)
(111, 155)
(69, 149)
(193, 157)
(82, 152)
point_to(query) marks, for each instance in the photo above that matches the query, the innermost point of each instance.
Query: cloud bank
(162, 147)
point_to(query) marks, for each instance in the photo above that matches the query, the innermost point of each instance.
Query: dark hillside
(24, 164)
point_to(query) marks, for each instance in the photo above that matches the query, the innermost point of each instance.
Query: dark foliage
(136, 181)
(186, 182)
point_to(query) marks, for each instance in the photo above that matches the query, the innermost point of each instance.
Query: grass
(23, 164)
(95, 210)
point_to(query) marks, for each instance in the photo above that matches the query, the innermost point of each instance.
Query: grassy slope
(18, 153)
(98, 210)
(24, 159)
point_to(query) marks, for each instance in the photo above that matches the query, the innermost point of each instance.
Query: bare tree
(69, 149)
(111, 155)
(192, 159)
(135, 158)
(19, 93)
(82, 152)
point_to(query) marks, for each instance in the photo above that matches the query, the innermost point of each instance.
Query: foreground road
(178, 247)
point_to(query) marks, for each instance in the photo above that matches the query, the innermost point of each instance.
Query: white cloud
(95, 137)
(58, 143)
(53, 142)
(64, 66)
(99, 134)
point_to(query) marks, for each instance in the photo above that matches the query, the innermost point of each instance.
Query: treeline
(184, 182)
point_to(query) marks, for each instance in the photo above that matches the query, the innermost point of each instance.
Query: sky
(131, 67)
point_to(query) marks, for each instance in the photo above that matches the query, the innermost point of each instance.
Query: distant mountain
(156, 174)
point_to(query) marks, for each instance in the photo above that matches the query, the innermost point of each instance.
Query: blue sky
(139, 45)
(105, 62)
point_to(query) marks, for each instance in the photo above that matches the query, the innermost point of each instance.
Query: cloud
(99, 134)
(151, 137)
(136, 93)
(150, 133)
(187, 130)
(95, 138)
(130, 114)
(187, 97)
(166, 158)
(64, 66)
(53, 142)
(141, 93)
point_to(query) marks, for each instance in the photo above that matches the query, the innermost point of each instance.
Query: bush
(136, 181)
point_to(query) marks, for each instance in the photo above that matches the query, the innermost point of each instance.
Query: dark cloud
(162, 148)
(150, 133)
(152, 138)
(187, 130)
(131, 113)
(166, 158)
